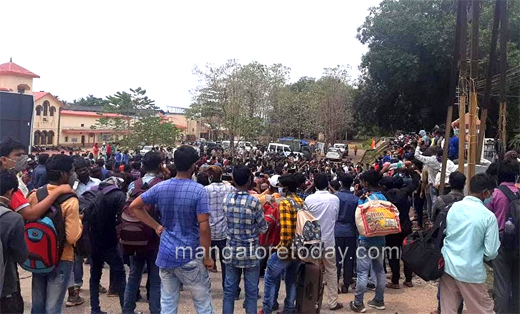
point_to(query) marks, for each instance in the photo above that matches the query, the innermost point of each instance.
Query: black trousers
(419, 207)
(345, 257)
(114, 259)
(220, 245)
(395, 243)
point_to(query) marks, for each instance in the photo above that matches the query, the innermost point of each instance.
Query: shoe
(112, 294)
(344, 289)
(338, 306)
(409, 284)
(371, 286)
(74, 300)
(393, 286)
(377, 305)
(102, 289)
(357, 308)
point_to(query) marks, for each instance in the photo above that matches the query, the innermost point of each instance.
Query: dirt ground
(419, 299)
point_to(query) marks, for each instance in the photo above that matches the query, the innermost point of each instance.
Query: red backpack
(272, 217)
(136, 237)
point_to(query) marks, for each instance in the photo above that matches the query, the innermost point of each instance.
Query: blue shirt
(119, 157)
(245, 221)
(374, 241)
(179, 201)
(346, 223)
(454, 148)
(39, 177)
(471, 237)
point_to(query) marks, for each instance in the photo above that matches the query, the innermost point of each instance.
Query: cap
(274, 180)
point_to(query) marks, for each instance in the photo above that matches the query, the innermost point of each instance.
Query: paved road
(419, 299)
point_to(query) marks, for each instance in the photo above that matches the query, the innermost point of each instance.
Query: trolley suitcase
(309, 285)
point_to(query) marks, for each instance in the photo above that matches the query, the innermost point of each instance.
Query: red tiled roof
(38, 95)
(13, 68)
(92, 114)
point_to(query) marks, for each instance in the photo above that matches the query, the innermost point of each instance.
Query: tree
(89, 101)
(405, 73)
(152, 131)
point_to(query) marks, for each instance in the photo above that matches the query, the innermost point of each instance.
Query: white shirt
(324, 207)
(82, 188)
(450, 167)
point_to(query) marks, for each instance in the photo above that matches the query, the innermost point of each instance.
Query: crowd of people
(200, 207)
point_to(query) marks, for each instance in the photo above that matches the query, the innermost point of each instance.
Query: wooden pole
(503, 68)
(451, 98)
(473, 73)
(462, 82)
(489, 75)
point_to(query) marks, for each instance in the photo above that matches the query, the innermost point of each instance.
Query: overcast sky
(101, 47)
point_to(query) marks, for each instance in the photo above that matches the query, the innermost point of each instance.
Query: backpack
(90, 206)
(3, 260)
(272, 217)
(511, 236)
(307, 238)
(136, 237)
(421, 251)
(45, 237)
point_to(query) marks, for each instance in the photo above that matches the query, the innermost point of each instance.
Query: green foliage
(152, 131)
(405, 81)
(89, 101)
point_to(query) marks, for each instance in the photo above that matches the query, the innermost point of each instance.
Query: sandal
(393, 286)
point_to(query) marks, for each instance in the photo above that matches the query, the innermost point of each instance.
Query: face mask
(280, 191)
(20, 163)
(488, 200)
(72, 179)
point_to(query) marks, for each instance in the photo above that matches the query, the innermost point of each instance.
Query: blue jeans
(137, 264)
(233, 274)
(275, 268)
(195, 278)
(76, 279)
(48, 290)
(114, 259)
(370, 256)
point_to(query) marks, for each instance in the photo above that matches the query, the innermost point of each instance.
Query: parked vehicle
(146, 149)
(343, 148)
(297, 146)
(279, 148)
(333, 154)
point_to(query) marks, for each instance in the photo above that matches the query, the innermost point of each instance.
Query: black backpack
(90, 206)
(511, 236)
(422, 249)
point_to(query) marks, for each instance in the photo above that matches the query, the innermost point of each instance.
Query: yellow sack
(377, 218)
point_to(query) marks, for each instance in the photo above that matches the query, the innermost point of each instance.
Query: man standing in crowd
(325, 207)
(103, 234)
(48, 290)
(506, 284)
(434, 166)
(471, 238)
(183, 205)
(245, 221)
(217, 191)
(457, 182)
(12, 156)
(281, 261)
(85, 182)
(370, 181)
(152, 165)
(14, 249)
(345, 231)
(40, 173)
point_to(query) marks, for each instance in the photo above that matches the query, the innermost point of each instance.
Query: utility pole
(503, 68)
(489, 75)
(473, 73)
(463, 82)
(451, 97)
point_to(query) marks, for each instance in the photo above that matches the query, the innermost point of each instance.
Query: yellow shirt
(73, 225)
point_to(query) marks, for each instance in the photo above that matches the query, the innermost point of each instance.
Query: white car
(333, 154)
(146, 149)
(342, 147)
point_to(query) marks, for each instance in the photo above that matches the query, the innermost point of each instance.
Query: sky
(102, 47)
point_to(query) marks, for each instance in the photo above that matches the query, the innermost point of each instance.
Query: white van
(247, 145)
(279, 148)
